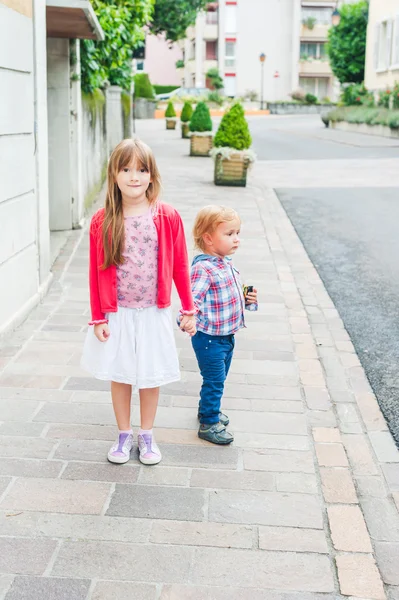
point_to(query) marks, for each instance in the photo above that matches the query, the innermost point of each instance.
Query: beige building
(382, 54)
(293, 34)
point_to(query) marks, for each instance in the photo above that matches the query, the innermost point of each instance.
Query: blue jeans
(214, 354)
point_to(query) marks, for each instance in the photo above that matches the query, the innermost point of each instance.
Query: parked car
(183, 91)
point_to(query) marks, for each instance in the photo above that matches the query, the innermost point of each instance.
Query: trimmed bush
(143, 87)
(165, 89)
(186, 113)
(201, 120)
(233, 130)
(310, 99)
(170, 112)
(362, 114)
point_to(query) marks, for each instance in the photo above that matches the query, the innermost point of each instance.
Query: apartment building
(232, 34)
(382, 52)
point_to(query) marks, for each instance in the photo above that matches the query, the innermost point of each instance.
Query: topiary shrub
(233, 130)
(201, 120)
(143, 87)
(186, 113)
(170, 112)
(310, 99)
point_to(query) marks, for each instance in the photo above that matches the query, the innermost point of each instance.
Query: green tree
(172, 17)
(347, 43)
(187, 112)
(143, 87)
(170, 112)
(110, 60)
(233, 130)
(201, 120)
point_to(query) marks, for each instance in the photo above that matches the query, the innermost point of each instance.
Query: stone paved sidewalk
(303, 506)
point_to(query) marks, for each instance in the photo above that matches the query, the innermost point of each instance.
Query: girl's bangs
(134, 153)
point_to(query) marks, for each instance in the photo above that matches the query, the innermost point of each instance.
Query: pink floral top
(137, 277)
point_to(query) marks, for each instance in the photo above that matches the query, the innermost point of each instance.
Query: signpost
(262, 59)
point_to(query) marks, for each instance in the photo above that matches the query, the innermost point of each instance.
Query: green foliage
(215, 79)
(347, 43)
(179, 64)
(201, 119)
(384, 98)
(216, 98)
(362, 114)
(352, 94)
(310, 99)
(310, 22)
(233, 130)
(143, 87)
(186, 113)
(94, 104)
(126, 100)
(172, 17)
(164, 89)
(110, 60)
(395, 96)
(170, 112)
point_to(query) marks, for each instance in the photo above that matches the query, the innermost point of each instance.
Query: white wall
(95, 155)
(18, 200)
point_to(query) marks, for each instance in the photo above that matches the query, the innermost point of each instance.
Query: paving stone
(382, 519)
(36, 555)
(302, 483)
(391, 473)
(177, 592)
(393, 593)
(370, 411)
(161, 475)
(265, 508)
(317, 398)
(81, 432)
(101, 472)
(110, 590)
(56, 495)
(93, 414)
(360, 457)
(5, 584)
(395, 496)
(88, 527)
(19, 467)
(331, 455)
(272, 570)
(384, 446)
(10, 410)
(326, 434)
(32, 381)
(338, 396)
(86, 383)
(278, 461)
(338, 486)
(11, 446)
(292, 539)
(369, 485)
(157, 502)
(125, 562)
(33, 588)
(215, 457)
(358, 576)
(348, 529)
(92, 450)
(278, 406)
(349, 418)
(277, 442)
(387, 555)
(21, 429)
(233, 480)
(202, 534)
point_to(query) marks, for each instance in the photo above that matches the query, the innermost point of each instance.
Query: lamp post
(335, 17)
(262, 59)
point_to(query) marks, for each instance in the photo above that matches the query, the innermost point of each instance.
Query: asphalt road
(351, 236)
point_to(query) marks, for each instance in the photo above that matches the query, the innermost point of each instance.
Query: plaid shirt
(218, 295)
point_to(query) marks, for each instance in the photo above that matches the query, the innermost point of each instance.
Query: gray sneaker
(215, 433)
(224, 419)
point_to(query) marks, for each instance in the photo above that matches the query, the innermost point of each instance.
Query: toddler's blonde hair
(208, 219)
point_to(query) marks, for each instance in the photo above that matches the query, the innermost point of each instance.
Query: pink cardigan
(172, 265)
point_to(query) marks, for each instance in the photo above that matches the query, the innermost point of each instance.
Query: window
(231, 18)
(192, 51)
(211, 50)
(383, 45)
(230, 54)
(322, 14)
(318, 86)
(212, 17)
(313, 49)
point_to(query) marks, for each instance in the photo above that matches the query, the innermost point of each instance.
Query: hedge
(362, 114)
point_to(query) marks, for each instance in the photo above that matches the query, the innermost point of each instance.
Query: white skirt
(140, 350)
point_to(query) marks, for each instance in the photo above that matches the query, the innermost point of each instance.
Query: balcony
(315, 68)
(318, 33)
(211, 32)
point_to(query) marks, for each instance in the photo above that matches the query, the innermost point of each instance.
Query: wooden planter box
(201, 145)
(232, 172)
(185, 130)
(170, 124)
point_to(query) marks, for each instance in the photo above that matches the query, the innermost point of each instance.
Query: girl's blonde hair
(208, 219)
(113, 231)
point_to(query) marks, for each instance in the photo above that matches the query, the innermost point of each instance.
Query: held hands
(102, 332)
(251, 297)
(188, 324)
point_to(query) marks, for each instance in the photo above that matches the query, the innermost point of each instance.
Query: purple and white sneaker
(149, 453)
(120, 451)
